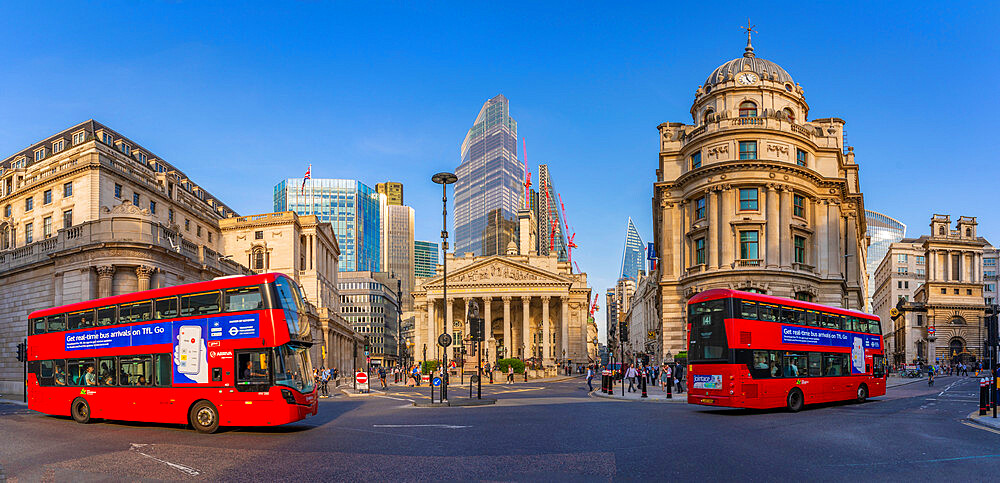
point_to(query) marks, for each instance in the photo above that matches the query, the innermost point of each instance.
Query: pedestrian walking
(381, 377)
(665, 375)
(590, 377)
(510, 374)
(324, 381)
(679, 377)
(631, 374)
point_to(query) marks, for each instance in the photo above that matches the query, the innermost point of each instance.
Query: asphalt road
(537, 431)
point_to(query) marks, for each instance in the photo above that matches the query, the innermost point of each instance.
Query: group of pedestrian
(321, 377)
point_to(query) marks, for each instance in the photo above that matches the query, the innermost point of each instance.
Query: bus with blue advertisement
(233, 351)
(749, 350)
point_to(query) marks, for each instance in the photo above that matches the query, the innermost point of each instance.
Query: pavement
(543, 430)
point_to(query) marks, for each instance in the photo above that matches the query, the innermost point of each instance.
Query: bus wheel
(795, 400)
(862, 393)
(204, 417)
(80, 410)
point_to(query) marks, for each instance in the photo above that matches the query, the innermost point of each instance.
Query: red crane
(527, 175)
(570, 245)
(594, 307)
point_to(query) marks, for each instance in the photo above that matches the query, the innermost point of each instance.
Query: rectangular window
(7, 211)
(46, 227)
(29, 204)
(198, 230)
(200, 304)
(68, 190)
(800, 157)
(79, 137)
(81, 372)
(748, 150)
(699, 251)
(56, 323)
(699, 208)
(67, 218)
(29, 229)
(835, 365)
(170, 215)
(166, 308)
(906, 284)
(990, 262)
(258, 235)
(40, 154)
(795, 364)
(765, 364)
(58, 146)
(38, 325)
(152, 207)
(46, 197)
(106, 316)
(748, 245)
(922, 260)
(107, 371)
(815, 364)
(813, 318)
(253, 369)
(696, 160)
(901, 270)
(832, 321)
(187, 224)
(118, 191)
(799, 206)
(135, 199)
(768, 312)
(748, 309)
(136, 371)
(800, 249)
(135, 312)
(990, 287)
(163, 370)
(792, 315)
(46, 374)
(245, 298)
(748, 199)
(901, 258)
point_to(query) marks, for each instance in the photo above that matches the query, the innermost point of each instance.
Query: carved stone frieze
(495, 272)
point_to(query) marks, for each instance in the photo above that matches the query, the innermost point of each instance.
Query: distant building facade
(643, 321)
(90, 213)
(369, 302)
(393, 192)
(398, 255)
(633, 253)
(551, 225)
(488, 192)
(425, 258)
(882, 231)
(353, 209)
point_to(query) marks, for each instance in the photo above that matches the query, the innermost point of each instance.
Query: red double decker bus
(233, 351)
(748, 350)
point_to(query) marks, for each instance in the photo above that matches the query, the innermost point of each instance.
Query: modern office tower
(352, 208)
(551, 233)
(397, 248)
(369, 303)
(489, 190)
(884, 231)
(633, 255)
(393, 192)
(425, 258)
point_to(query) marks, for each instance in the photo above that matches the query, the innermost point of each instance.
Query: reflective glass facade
(425, 258)
(551, 226)
(489, 190)
(353, 209)
(884, 231)
(633, 255)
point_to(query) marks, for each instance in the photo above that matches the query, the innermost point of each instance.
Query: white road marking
(445, 426)
(396, 398)
(184, 469)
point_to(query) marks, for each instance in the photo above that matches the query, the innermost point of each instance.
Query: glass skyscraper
(551, 236)
(884, 231)
(353, 209)
(633, 255)
(489, 190)
(425, 258)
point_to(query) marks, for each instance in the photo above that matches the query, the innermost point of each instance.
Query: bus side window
(38, 325)
(200, 304)
(135, 312)
(760, 366)
(815, 364)
(792, 316)
(56, 323)
(45, 373)
(768, 313)
(812, 318)
(748, 309)
(164, 371)
(106, 316)
(166, 308)
(107, 373)
(83, 319)
(77, 372)
(244, 298)
(136, 370)
(874, 327)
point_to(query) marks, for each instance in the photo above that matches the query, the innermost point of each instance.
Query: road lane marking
(396, 398)
(183, 469)
(445, 426)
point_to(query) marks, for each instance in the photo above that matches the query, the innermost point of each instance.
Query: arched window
(258, 258)
(968, 232)
(803, 296)
(748, 109)
(706, 115)
(940, 230)
(789, 114)
(956, 320)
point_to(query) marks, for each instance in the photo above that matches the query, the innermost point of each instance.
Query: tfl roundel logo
(233, 331)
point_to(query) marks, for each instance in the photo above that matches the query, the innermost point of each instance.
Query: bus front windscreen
(708, 331)
(293, 367)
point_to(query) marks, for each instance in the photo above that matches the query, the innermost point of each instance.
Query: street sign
(930, 330)
(444, 340)
(436, 381)
(362, 379)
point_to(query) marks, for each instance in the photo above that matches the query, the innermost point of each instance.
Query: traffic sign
(931, 330)
(361, 377)
(436, 381)
(444, 340)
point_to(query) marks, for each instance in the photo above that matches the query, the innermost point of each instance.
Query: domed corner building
(754, 195)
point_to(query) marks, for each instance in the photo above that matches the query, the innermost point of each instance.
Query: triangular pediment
(499, 270)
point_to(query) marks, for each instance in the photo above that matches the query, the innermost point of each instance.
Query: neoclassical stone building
(535, 307)
(754, 195)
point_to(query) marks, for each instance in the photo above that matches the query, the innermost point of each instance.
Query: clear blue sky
(240, 95)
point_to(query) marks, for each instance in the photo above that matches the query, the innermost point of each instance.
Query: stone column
(851, 262)
(431, 333)
(546, 333)
(836, 236)
(104, 275)
(487, 318)
(823, 238)
(526, 326)
(785, 227)
(507, 345)
(143, 272)
(712, 242)
(946, 265)
(685, 251)
(564, 326)
(931, 266)
(771, 215)
(449, 320)
(726, 236)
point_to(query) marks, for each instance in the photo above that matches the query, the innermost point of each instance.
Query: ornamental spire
(748, 51)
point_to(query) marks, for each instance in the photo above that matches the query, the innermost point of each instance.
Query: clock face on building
(746, 78)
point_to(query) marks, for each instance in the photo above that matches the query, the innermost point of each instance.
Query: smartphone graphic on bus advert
(189, 349)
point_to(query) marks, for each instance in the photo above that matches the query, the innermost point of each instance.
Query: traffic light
(22, 352)
(367, 345)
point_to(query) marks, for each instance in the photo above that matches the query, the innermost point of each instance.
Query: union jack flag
(307, 176)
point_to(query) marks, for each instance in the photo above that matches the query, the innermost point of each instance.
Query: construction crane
(570, 245)
(594, 306)
(577, 265)
(527, 175)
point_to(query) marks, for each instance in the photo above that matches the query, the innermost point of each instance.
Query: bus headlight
(287, 394)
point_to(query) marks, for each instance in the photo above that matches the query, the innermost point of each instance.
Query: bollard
(670, 387)
(611, 383)
(984, 391)
(525, 374)
(604, 383)
(643, 384)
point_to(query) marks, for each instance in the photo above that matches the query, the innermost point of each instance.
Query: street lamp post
(444, 179)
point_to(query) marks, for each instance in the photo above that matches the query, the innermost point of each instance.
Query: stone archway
(958, 352)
